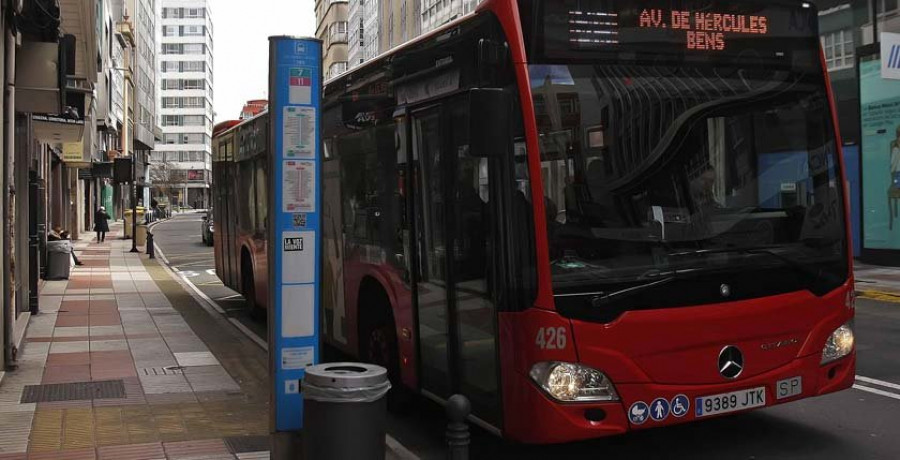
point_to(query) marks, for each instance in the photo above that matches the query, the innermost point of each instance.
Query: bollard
(151, 251)
(457, 434)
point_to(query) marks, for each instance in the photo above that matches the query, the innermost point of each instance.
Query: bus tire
(378, 340)
(248, 289)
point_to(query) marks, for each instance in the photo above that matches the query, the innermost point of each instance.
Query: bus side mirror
(489, 123)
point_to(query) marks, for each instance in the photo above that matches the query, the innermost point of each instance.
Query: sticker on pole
(299, 186)
(300, 86)
(297, 358)
(299, 132)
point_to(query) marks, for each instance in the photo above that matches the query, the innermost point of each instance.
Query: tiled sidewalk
(120, 364)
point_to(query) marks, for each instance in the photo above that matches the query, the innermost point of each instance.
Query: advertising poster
(880, 119)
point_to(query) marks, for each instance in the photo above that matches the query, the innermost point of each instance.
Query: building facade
(81, 101)
(182, 163)
(435, 13)
(331, 28)
(356, 37)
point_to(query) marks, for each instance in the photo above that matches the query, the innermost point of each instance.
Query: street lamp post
(127, 31)
(133, 202)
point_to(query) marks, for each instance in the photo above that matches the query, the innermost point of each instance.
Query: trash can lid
(345, 375)
(60, 246)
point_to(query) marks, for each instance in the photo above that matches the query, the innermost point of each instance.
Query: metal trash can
(344, 411)
(59, 260)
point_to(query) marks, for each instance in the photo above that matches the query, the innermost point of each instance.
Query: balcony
(125, 33)
(337, 38)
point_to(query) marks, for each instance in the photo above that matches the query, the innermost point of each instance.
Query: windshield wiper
(604, 298)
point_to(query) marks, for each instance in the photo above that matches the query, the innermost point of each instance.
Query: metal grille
(169, 370)
(78, 391)
(242, 444)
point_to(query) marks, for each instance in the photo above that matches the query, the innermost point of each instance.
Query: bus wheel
(378, 340)
(249, 292)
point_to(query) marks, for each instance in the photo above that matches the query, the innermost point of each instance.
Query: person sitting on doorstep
(59, 234)
(65, 235)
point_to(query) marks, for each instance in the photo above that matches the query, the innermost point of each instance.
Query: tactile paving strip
(78, 391)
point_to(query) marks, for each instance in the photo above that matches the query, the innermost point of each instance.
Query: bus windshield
(650, 170)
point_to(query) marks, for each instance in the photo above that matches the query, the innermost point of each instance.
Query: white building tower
(182, 162)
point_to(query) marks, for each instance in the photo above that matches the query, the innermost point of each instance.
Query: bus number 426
(551, 338)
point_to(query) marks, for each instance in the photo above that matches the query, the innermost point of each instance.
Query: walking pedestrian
(101, 224)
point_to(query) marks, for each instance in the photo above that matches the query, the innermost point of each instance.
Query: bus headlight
(840, 343)
(570, 382)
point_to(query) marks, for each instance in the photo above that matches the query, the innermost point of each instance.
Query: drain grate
(243, 444)
(78, 391)
(168, 370)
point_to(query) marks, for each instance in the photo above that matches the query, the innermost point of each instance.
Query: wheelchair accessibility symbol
(680, 405)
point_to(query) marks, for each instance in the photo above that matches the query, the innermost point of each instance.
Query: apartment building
(182, 163)
(331, 28)
(436, 13)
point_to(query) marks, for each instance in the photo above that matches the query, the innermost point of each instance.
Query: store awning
(56, 129)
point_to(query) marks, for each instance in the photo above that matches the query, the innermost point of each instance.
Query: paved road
(861, 423)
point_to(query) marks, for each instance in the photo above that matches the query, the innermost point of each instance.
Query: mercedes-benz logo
(725, 290)
(731, 362)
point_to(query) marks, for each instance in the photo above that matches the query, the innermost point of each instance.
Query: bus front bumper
(541, 420)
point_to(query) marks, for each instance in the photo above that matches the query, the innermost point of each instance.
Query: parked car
(206, 229)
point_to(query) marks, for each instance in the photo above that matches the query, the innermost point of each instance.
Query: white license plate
(789, 387)
(730, 402)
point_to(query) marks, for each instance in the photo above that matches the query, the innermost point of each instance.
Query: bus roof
(225, 127)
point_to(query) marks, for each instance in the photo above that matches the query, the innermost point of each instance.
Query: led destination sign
(704, 30)
(694, 29)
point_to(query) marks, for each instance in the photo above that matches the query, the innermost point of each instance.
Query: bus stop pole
(294, 239)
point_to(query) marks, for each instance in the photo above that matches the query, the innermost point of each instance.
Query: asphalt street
(860, 423)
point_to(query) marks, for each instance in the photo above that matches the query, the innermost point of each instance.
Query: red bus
(588, 216)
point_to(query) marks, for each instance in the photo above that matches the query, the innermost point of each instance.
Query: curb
(157, 222)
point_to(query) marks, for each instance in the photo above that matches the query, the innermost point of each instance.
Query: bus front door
(453, 222)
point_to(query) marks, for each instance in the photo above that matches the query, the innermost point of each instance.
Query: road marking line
(877, 392)
(880, 296)
(881, 383)
(229, 297)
